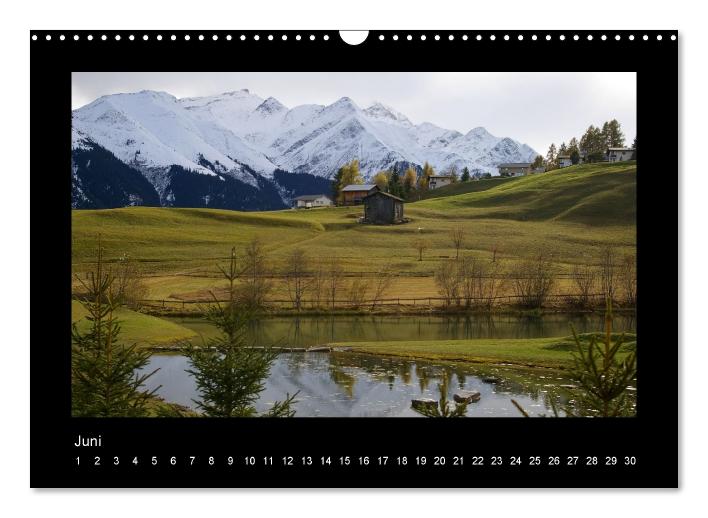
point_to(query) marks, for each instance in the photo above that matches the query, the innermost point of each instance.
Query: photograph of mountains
(243, 150)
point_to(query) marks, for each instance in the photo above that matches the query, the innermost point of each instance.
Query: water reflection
(346, 384)
(309, 331)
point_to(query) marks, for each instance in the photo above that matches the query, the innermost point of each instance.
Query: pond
(345, 384)
(309, 331)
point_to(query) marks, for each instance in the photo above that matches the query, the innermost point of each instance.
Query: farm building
(514, 169)
(382, 208)
(619, 154)
(564, 161)
(435, 181)
(354, 194)
(309, 201)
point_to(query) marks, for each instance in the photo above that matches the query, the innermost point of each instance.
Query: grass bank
(552, 353)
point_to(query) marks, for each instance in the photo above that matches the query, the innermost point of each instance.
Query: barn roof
(381, 193)
(362, 187)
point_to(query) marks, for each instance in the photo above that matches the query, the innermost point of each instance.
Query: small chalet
(564, 161)
(382, 208)
(309, 201)
(619, 154)
(354, 194)
(435, 181)
(514, 169)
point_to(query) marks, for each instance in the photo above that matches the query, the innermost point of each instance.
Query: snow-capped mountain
(238, 140)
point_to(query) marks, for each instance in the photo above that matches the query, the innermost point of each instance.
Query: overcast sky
(536, 108)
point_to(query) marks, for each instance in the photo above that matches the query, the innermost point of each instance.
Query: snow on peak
(380, 111)
(270, 106)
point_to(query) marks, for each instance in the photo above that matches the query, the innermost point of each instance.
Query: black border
(652, 437)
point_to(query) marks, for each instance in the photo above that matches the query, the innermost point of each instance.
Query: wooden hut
(354, 194)
(382, 208)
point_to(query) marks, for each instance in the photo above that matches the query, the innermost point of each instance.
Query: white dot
(104, 37)
(270, 37)
(201, 37)
(548, 37)
(506, 37)
(451, 37)
(312, 37)
(298, 37)
(521, 37)
(34, 37)
(395, 37)
(576, 37)
(534, 37)
(464, 37)
(76, 37)
(422, 37)
(589, 37)
(256, 37)
(326, 37)
(492, 37)
(437, 37)
(631, 37)
(145, 37)
(214, 37)
(409, 37)
(604, 37)
(658, 37)
(173, 37)
(186, 37)
(49, 37)
(673, 37)
(61, 37)
(243, 37)
(228, 37)
(159, 37)
(381, 37)
(89, 37)
(645, 37)
(285, 37)
(562, 37)
(479, 37)
(618, 37)
(118, 37)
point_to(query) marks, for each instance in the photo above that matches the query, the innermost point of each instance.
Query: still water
(343, 384)
(309, 331)
(352, 385)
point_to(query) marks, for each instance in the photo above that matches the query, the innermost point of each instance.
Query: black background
(652, 437)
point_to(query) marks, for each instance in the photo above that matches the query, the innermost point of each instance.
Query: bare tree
(457, 235)
(128, 286)
(584, 279)
(607, 273)
(317, 288)
(534, 281)
(297, 276)
(628, 276)
(421, 245)
(496, 250)
(481, 282)
(384, 282)
(448, 280)
(357, 292)
(255, 284)
(333, 279)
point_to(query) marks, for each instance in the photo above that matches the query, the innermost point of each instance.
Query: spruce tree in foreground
(230, 375)
(104, 382)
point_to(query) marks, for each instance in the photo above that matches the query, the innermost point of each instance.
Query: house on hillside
(382, 208)
(564, 161)
(354, 194)
(309, 201)
(619, 154)
(514, 169)
(439, 180)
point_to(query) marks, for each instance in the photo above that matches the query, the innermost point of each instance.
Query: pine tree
(612, 135)
(394, 184)
(410, 178)
(551, 158)
(465, 174)
(229, 374)
(538, 162)
(634, 147)
(104, 374)
(563, 149)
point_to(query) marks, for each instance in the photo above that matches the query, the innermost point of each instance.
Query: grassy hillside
(571, 213)
(466, 187)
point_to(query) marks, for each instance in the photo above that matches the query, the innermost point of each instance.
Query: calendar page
(356, 259)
